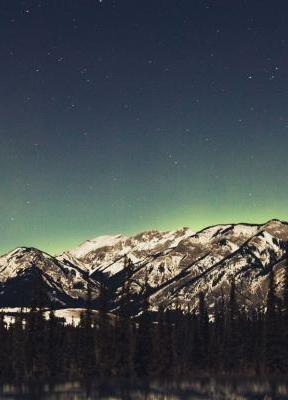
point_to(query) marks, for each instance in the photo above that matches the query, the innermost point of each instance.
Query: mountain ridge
(172, 266)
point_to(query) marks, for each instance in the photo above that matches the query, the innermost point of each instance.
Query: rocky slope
(174, 267)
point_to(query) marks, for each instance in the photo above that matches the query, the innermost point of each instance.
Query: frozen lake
(198, 389)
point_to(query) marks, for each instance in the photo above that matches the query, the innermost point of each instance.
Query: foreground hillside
(171, 268)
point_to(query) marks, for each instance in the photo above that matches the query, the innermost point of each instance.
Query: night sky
(120, 116)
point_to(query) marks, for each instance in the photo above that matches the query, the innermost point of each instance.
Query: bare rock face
(172, 267)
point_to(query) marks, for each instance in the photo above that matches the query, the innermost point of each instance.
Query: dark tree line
(174, 343)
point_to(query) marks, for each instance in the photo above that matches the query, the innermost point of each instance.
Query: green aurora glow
(185, 125)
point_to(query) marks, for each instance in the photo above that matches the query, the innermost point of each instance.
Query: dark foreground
(160, 345)
(208, 389)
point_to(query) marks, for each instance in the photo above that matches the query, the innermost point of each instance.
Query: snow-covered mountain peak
(19, 259)
(94, 244)
(173, 264)
(107, 253)
(276, 228)
(25, 268)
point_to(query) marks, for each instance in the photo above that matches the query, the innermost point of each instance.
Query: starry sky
(118, 116)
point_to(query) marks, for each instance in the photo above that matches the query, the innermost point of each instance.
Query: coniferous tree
(70, 351)
(35, 336)
(285, 290)
(186, 342)
(86, 345)
(217, 346)
(104, 337)
(162, 352)
(199, 330)
(54, 344)
(4, 360)
(232, 344)
(144, 335)
(18, 347)
(257, 350)
(203, 327)
(125, 334)
(284, 317)
(272, 328)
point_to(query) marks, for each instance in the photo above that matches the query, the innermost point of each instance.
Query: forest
(168, 343)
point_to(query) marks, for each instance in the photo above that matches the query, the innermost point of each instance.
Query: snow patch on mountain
(95, 244)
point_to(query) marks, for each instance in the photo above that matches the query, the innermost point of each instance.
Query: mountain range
(172, 267)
